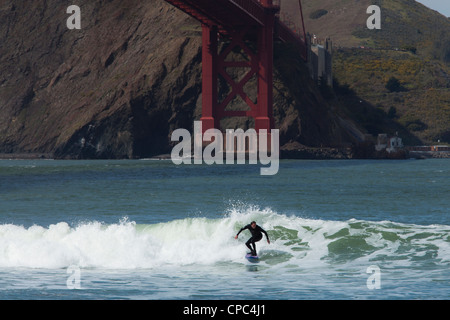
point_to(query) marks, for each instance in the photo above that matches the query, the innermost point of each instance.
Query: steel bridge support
(259, 64)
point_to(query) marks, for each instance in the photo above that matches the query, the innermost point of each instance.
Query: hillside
(405, 24)
(118, 87)
(342, 17)
(421, 103)
(413, 47)
(108, 83)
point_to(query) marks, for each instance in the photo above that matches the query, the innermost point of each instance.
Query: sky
(443, 6)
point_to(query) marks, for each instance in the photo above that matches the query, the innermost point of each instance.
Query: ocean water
(146, 229)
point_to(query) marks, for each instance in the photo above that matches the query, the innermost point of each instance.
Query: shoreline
(305, 153)
(26, 156)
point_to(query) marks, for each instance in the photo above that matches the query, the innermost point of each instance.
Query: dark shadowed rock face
(118, 87)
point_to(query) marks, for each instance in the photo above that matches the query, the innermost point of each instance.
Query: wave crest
(308, 243)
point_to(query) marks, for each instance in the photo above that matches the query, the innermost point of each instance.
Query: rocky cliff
(118, 87)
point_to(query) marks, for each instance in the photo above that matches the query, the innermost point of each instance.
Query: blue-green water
(152, 230)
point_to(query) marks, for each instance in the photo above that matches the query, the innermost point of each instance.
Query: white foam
(191, 241)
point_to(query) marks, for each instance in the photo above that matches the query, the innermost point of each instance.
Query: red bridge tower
(242, 22)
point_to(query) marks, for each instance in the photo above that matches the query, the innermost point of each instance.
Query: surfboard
(252, 259)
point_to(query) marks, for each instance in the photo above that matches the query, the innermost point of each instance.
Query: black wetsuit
(256, 236)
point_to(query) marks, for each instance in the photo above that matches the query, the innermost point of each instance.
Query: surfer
(257, 232)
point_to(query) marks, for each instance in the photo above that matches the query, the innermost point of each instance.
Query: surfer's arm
(242, 229)
(265, 233)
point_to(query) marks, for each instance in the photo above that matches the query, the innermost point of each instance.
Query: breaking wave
(295, 241)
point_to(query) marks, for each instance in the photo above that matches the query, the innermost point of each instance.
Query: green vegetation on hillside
(318, 13)
(408, 25)
(421, 99)
(393, 79)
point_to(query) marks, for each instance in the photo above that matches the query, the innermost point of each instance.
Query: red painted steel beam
(209, 73)
(239, 20)
(226, 14)
(264, 117)
(229, 14)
